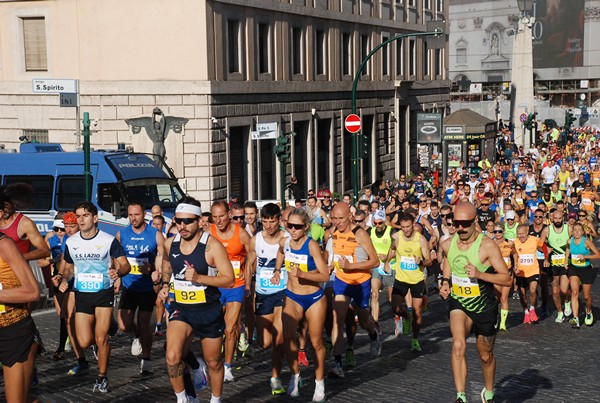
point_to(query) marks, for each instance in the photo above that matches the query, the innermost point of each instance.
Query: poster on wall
(454, 155)
(558, 33)
(429, 128)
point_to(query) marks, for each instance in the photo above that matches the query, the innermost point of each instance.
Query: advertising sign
(429, 128)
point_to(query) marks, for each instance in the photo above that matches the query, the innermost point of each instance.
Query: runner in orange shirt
(527, 269)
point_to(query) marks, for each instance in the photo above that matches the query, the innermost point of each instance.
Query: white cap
(510, 214)
(378, 215)
(58, 224)
(188, 208)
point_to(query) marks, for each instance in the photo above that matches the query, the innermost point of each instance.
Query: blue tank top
(57, 247)
(300, 257)
(578, 253)
(140, 250)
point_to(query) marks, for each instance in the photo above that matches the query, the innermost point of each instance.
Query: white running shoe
(295, 384)
(199, 376)
(136, 347)
(319, 395)
(228, 375)
(568, 311)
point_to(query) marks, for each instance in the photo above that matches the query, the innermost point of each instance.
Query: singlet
(577, 253)
(266, 256)
(538, 234)
(586, 200)
(382, 246)
(57, 246)
(345, 245)
(12, 231)
(10, 313)
(185, 293)
(473, 294)
(562, 180)
(92, 258)
(526, 262)
(140, 250)
(558, 242)
(506, 251)
(235, 251)
(407, 269)
(530, 183)
(299, 257)
(317, 216)
(510, 233)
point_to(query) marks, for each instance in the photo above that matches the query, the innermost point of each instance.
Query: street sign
(523, 117)
(352, 123)
(265, 131)
(68, 100)
(52, 86)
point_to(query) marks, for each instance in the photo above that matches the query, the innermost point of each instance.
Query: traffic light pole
(355, 136)
(87, 174)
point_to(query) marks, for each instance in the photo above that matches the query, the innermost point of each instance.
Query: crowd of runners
(237, 277)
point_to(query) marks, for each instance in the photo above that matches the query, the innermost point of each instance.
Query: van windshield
(165, 194)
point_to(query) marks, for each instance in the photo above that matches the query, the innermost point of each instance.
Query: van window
(70, 191)
(42, 185)
(164, 194)
(108, 193)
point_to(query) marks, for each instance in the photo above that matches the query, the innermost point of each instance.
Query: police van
(117, 176)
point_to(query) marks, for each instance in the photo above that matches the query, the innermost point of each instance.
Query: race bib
(539, 255)
(465, 287)
(264, 279)
(408, 263)
(336, 259)
(296, 260)
(507, 260)
(586, 202)
(236, 268)
(136, 264)
(188, 293)
(90, 282)
(578, 260)
(526, 259)
(558, 260)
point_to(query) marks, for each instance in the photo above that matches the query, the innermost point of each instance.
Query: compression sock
(503, 316)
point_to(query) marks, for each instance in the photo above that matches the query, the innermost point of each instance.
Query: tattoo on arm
(175, 371)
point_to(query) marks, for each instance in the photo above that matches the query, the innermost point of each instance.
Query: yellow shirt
(562, 179)
(407, 270)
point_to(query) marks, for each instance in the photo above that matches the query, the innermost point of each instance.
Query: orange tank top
(235, 251)
(345, 245)
(527, 262)
(10, 313)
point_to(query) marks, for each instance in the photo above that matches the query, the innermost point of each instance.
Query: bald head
(465, 211)
(286, 213)
(340, 209)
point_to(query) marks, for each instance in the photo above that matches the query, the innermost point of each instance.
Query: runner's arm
(363, 239)
(492, 254)
(250, 263)
(31, 232)
(29, 290)
(216, 256)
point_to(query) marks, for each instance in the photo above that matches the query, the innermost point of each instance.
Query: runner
(144, 246)
(411, 252)
(506, 248)
(527, 270)
(353, 257)
(269, 297)
(303, 297)
(196, 265)
(96, 260)
(237, 243)
(475, 265)
(538, 230)
(557, 235)
(580, 251)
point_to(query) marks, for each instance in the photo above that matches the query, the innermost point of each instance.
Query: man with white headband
(143, 245)
(237, 243)
(195, 265)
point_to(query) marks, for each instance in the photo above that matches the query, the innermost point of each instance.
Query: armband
(165, 283)
(447, 280)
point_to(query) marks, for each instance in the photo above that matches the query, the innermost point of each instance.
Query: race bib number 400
(90, 282)
(188, 293)
(465, 287)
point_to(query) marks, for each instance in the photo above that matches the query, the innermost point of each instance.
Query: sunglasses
(538, 216)
(450, 224)
(186, 220)
(485, 204)
(57, 229)
(582, 215)
(295, 226)
(464, 223)
(510, 219)
(358, 221)
(443, 215)
(311, 194)
(238, 217)
(498, 231)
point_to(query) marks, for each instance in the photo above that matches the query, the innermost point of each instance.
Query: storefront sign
(429, 128)
(475, 136)
(454, 133)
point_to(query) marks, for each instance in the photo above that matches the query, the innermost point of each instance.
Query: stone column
(522, 78)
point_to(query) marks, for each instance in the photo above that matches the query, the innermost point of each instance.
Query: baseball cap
(378, 215)
(510, 215)
(572, 215)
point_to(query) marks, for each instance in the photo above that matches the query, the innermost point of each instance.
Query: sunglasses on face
(498, 231)
(450, 224)
(538, 216)
(238, 217)
(295, 226)
(582, 215)
(57, 229)
(358, 221)
(464, 223)
(186, 220)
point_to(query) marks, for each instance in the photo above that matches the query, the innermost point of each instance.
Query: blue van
(118, 176)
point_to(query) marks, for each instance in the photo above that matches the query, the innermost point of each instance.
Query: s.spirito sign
(52, 86)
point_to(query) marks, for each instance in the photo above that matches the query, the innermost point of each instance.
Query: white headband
(58, 224)
(188, 208)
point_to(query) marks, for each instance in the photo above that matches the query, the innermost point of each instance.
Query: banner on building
(429, 128)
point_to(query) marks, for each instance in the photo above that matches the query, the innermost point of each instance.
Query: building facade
(228, 66)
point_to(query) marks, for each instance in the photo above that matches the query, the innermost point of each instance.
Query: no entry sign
(352, 123)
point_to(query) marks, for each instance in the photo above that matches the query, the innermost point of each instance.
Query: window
(36, 135)
(412, 3)
(400, 57)
(264, 48)
(34, 42)
(364, 52)
(412, 57)
(43, 186)
(461, 56)
(385, 57)
(296, 50)
(426, 60)
(427, 4)
(69, 192)
(439, 63)
(440, 6)
(321, 52)
(108, 193)
(346, 53)
(233, 46)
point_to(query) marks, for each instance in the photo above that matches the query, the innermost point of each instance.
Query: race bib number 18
(465, 287)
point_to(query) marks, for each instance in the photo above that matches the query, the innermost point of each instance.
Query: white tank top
(266, 256)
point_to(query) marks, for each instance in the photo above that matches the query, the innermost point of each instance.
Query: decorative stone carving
(478, 22)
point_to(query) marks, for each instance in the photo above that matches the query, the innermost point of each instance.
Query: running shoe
(336, 372)
(350, 358)
(589, 318)
(407, 325)
(158, 330)
(146, 367)
(58, 355)
(415, 345)
(575, 322)
(376, 346)
(319, 395)
(200, 375)
(276, 387)
(79, 369)
(560, 317)
(228, 374)
(483, 399)
(515, 295)
(533, 316)
(243, 343)
(68, 347)
(295, 385)
(398, 325)
(302, 360)
(527, 319)
(101, 385)
(136, 347)
(568, 311)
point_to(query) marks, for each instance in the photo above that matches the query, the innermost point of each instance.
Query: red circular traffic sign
(523, 117)
(352, 123)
